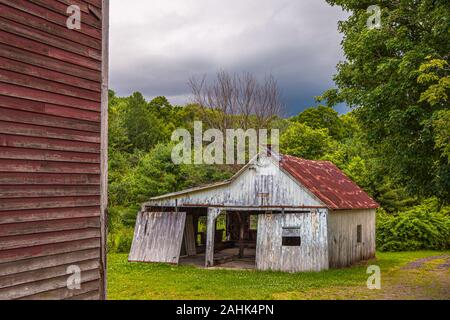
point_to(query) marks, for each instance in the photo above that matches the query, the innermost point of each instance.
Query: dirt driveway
(422, 279)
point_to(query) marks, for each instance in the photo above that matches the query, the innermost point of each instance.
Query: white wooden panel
(311, 255)
(344, 249)
(189, 236)
(158, 237)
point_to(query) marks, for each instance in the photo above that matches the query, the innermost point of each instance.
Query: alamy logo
(374, 280)
(235, 146)
(74, 19)
(74, 280)
(374, 21)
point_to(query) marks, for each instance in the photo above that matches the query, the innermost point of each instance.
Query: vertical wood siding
(311, 255)
(189, 236)
(158, 237)
(50, 149)
(344, 249)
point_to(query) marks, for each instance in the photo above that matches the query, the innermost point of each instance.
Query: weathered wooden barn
(277, 213)
(53, 149)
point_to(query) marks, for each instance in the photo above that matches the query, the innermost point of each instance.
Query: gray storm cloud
(156, 46)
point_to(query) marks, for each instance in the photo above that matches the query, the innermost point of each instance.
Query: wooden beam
(234, 207)
(213, 213)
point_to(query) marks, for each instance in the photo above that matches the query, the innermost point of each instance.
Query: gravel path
(421, 262)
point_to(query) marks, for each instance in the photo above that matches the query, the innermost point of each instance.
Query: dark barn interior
(234, 238)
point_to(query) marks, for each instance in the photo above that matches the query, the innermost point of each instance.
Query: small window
(359, 233)
(291, 237)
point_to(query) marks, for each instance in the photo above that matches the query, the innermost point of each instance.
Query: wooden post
(213, 213)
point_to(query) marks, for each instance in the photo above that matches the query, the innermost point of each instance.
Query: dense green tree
(441, 127)
(144, 128)
(435, 74)
(397, 77)
(322, 117)
(303, 141)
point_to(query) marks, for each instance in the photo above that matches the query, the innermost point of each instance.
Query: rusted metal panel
(53, 146)
(310, 255)
(158, 237)
(328, 183)
(344, 249)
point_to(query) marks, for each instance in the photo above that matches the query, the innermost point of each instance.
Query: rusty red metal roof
(328, 183)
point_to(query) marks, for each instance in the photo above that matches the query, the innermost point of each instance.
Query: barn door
(158, 237)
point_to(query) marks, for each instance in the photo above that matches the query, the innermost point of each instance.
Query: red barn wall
(53, 89)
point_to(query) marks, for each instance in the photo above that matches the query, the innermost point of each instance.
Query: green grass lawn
(158, 281)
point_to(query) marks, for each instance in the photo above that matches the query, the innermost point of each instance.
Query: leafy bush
(422, 227)
(120, 240)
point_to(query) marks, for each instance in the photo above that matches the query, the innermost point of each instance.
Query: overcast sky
(157, 45)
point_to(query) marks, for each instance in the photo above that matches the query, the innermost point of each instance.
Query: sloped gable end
(256, 185)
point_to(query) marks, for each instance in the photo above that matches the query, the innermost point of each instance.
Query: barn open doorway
(235, 237)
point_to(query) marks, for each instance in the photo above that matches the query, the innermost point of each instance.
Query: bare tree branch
(237, 101)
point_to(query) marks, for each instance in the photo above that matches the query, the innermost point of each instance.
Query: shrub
(120, 240)
(419, 228)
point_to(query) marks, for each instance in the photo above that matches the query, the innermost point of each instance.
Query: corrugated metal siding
(311, 255)
(50, 138)
(342, 236)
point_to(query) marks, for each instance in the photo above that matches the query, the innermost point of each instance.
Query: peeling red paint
(328, 183)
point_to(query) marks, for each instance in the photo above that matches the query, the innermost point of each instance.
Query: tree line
(394, 143)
